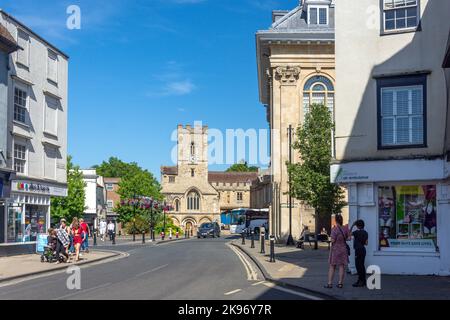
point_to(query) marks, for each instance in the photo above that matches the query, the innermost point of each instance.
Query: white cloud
(179, 88)
(171, 81)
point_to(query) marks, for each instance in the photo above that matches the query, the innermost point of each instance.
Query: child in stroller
(49, 254)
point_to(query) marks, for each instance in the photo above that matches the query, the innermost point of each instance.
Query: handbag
(346, 244)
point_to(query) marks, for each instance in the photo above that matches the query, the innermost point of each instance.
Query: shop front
(405, 205)
(28, 210)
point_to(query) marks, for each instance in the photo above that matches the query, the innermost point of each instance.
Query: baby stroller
(49, 255)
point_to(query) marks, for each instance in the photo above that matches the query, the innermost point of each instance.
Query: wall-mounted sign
(389, 170)
(38, 188)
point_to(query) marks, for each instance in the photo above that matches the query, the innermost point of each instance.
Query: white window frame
(110, 204)
(25, 164)
(406, 28)
(395, 116)
(318, 7)
(27, 49)
(25, 89)
(51, 52)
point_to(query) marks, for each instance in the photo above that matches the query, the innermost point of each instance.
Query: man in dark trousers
(360, 241)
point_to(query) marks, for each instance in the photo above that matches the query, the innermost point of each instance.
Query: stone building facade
(197, 195)
(296, 68)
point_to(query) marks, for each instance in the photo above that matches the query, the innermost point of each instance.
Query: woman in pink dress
(338, 253)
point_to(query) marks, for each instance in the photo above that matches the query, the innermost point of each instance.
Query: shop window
(407, 218)
(15, 228)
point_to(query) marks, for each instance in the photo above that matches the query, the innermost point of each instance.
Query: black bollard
(243, 237)
(272, 248)
(134, 235)
(143, 237)
(253, 240)
(114, 238)
(95, 238)
(263, 247)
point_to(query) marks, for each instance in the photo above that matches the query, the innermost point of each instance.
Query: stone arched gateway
(189, 224)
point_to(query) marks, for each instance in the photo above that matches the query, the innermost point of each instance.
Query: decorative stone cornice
(288, 74)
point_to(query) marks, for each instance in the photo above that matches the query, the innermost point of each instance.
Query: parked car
(208, 229)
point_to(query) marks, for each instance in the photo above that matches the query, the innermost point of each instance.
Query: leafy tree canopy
(72, 205)
(310, 178)
(116, 168)
(242, 167)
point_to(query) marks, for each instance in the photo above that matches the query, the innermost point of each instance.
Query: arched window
(318, 90)
(193, 201)
(177, 205)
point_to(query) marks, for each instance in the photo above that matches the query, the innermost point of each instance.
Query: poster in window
(407, 217)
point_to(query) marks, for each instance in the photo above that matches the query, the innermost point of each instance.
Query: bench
(311, 238)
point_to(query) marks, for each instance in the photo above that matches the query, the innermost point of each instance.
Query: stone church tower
(196, 194)
(186, 186)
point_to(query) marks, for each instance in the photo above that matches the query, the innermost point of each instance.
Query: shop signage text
(38, 188)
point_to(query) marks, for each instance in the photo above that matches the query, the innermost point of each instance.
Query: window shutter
(417, 101)
(417, 130)
(402, 130)
(388, 131)
(23, 42)
(402, 103)
(323, 19)
(313, 15)
(51, 115)
(387, 103)
(52, 66)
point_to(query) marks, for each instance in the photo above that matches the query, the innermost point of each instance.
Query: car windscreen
(207, 225)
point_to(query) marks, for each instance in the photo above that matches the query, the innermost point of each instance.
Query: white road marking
(304, 295)
(258, 283)
(233, 292)
(83, 291)
(251, 273)
(150, 271)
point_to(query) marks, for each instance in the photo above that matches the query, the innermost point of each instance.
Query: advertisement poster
(41, 242)
(407, 217)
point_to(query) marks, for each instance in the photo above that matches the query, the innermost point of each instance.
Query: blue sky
(138, 68)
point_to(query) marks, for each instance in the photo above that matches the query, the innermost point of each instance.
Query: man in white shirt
(111, 228)
(102, 229)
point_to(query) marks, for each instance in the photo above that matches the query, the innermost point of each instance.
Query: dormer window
(318, 15)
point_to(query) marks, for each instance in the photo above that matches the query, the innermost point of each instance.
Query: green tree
(116, 168)
(139, 184)
(242, 167)
(310, 178)
(72, 205)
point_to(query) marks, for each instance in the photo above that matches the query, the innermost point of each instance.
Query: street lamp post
(290, 240)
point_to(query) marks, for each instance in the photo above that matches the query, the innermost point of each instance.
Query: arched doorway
(190, 226)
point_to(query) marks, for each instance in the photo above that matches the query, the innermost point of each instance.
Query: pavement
(307, 269)
(191, 269)
(15, 267)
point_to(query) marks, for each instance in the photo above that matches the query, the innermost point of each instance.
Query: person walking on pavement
(102, 228)
(63, 243)
(77, 239)
(111, 228)
(360, 241)
(85, 234)
(72, 245)
(339, 252)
